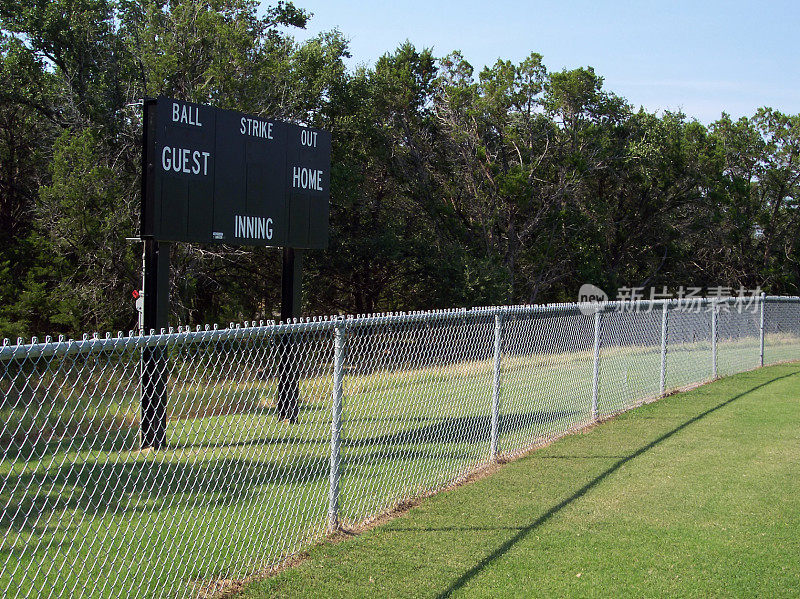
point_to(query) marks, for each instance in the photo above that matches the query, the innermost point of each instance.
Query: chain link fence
(169, 465)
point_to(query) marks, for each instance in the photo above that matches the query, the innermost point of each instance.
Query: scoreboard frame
(221, 176)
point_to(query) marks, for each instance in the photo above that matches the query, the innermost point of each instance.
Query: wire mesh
(87, 512)
(546, 376)
(738, 340)
(168, 465)
(630, 360)
(688, 345)
(781, 330)
(416, 409)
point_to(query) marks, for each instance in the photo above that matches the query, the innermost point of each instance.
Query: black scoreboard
(219, 176)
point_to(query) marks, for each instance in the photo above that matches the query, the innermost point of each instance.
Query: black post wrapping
(155, 369)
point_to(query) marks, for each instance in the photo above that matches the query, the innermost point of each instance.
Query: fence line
(157, 465)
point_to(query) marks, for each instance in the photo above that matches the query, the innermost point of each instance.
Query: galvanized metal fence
(167, 465)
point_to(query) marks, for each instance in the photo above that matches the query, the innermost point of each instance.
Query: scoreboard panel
(220, 176)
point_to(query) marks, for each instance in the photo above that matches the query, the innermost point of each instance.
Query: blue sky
(702, 57)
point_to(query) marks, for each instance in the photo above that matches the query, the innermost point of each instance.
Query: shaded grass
(694, 496)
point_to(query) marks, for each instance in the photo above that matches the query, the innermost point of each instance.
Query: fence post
(761, 331)
(713, 339)
(596, 372)
(336, 426)
(498, 348)
(663, 377)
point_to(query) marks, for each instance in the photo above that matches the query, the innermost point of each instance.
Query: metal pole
(596, 373)
(155, 301)
(155, 287)
(761, 331)
(336, 427)
(663, 377)
(498, 347)
(713, 339)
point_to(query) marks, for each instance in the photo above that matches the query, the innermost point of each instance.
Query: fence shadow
(460, 429)
(149, 485)
(525, 531)
(423, 430)
(129, 482)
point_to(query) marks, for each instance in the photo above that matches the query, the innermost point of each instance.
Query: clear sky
(700, 56)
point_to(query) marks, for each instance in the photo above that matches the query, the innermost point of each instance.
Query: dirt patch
(228, 588)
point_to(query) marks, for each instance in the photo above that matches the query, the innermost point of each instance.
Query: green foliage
(80, 223)
(447, 188)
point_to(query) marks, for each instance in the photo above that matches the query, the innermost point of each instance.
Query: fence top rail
(95, 343)
(783, 298)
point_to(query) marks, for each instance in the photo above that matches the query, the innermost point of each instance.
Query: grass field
(236, 491)
(692, 496)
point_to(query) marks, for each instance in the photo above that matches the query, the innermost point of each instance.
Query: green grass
(237, 489)
(691, 496)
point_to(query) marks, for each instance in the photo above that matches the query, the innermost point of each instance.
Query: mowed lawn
(696, 495)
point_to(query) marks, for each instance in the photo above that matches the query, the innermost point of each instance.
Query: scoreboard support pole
(154, 358)
(291, 307)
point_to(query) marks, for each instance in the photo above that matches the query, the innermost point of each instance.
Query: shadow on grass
(467, 576)
(462, 429)
(111, 435)
(111, 439)
(131, 483)
(144, 486)
(423, 430)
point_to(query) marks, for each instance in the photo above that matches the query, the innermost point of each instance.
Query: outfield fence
(171, 464)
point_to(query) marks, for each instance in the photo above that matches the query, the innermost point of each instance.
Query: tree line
(449, 187)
